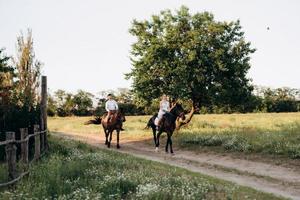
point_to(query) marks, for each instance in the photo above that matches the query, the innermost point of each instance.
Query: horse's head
(121, 116)
(178, 111)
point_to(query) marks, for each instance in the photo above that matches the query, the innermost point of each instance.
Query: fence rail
(11, 152)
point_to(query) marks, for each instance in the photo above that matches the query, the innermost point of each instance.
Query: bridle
(120, 116)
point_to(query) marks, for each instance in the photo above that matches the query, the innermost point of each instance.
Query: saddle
(111, 116)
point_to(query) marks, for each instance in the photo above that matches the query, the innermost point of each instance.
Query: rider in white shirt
(111, 106)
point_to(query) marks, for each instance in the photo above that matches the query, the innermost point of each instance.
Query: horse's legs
(118, 137)
(167, 144)
(154, 135)
(157, 139)
(110, 138)
(170, 142)
(106, 136)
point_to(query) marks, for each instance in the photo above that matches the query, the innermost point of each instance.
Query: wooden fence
(40, 143)
(11, 152)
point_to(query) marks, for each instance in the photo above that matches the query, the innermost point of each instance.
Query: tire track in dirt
(270, 178)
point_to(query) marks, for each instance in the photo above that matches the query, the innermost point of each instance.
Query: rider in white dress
(163, 108)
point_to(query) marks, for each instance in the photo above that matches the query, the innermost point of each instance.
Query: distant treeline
(264, 99)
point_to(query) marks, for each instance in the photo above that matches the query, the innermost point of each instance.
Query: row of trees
(263, 99)
(277, 100)
(83, 103)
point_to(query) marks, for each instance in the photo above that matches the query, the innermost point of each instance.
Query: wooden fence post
(43, 135)
(37, 143)
(44, 141)
(11, 156)
(24, 145)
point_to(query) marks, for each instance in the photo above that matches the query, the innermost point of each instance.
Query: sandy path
(270, 178)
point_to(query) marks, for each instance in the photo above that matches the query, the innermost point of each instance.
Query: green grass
(276, 134)
(272, 134)
(74, 170)
(3, 172)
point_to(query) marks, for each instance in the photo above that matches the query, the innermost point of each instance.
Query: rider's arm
(169, 108)
(161, 106)
(116, 105)
(106, 106)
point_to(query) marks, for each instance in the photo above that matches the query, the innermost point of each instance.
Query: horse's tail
(97, 120)
(150, 122)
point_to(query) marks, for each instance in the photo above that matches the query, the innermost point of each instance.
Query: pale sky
(85, 44)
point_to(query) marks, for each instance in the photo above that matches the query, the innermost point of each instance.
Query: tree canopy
(190, 56)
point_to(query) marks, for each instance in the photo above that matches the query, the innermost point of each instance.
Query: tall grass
(277, 134)
(74, 170)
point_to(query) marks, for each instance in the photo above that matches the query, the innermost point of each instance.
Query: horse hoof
(118, 147)
(156, 149)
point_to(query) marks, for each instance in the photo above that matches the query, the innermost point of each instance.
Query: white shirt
(111, 105)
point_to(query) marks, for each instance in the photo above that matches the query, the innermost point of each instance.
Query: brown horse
(115, 123)
(168, 125)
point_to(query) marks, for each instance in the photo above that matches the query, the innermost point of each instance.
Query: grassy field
(274, 133)
(74, 170)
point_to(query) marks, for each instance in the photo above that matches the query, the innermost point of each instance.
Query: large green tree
(190, 56)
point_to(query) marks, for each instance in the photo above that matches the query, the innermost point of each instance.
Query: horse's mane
(169, 116)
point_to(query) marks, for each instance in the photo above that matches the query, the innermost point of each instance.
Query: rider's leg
(159, 117)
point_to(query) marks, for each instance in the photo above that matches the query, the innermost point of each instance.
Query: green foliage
(19, 101)
(69, 172)
(51, 106)
(7, 73)
(66, 104)
(280, 100)
(19, 83)
(83, 103)
(191, 57)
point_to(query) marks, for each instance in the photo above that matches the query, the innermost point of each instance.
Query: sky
(85, 44)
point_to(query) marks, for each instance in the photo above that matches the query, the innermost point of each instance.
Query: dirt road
(279, 180)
